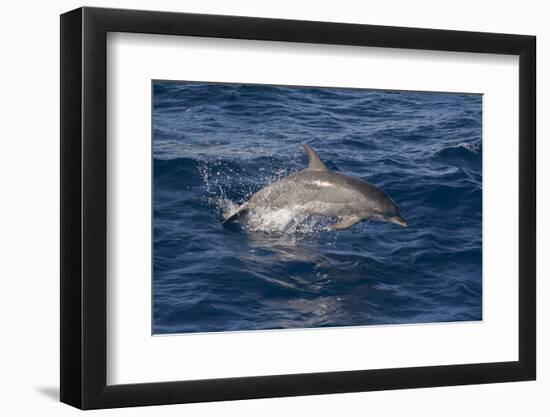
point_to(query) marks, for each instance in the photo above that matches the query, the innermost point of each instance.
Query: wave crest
(461, 154)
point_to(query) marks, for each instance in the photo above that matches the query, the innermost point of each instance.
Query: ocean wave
(462, 154)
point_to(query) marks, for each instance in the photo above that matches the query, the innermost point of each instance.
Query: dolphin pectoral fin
(315, 163)
(346, 223)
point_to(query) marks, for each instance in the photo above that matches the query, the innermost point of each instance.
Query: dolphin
(318, 191)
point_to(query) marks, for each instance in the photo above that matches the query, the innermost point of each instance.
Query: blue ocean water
(216, 144)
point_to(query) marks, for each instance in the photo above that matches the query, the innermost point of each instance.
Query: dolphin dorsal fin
(315, 163)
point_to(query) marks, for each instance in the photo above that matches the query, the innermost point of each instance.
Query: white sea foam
(468, 146)
(287, 221)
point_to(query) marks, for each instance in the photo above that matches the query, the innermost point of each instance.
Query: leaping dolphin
(319, 191)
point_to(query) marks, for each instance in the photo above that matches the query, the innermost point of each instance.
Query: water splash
(287, 221)
(226, 189)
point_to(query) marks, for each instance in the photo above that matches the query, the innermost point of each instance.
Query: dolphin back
(315, 164)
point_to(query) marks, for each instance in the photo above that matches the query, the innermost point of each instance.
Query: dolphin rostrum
(318, 191)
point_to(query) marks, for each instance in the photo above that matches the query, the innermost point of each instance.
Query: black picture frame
(84, 207)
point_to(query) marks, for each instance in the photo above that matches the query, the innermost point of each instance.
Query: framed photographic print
(257, 208)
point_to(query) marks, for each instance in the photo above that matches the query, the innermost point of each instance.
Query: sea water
(214, 145)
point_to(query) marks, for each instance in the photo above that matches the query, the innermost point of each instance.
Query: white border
(135, 356)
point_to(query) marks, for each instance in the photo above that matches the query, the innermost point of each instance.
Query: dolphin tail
(234, 216)
(315, 163)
